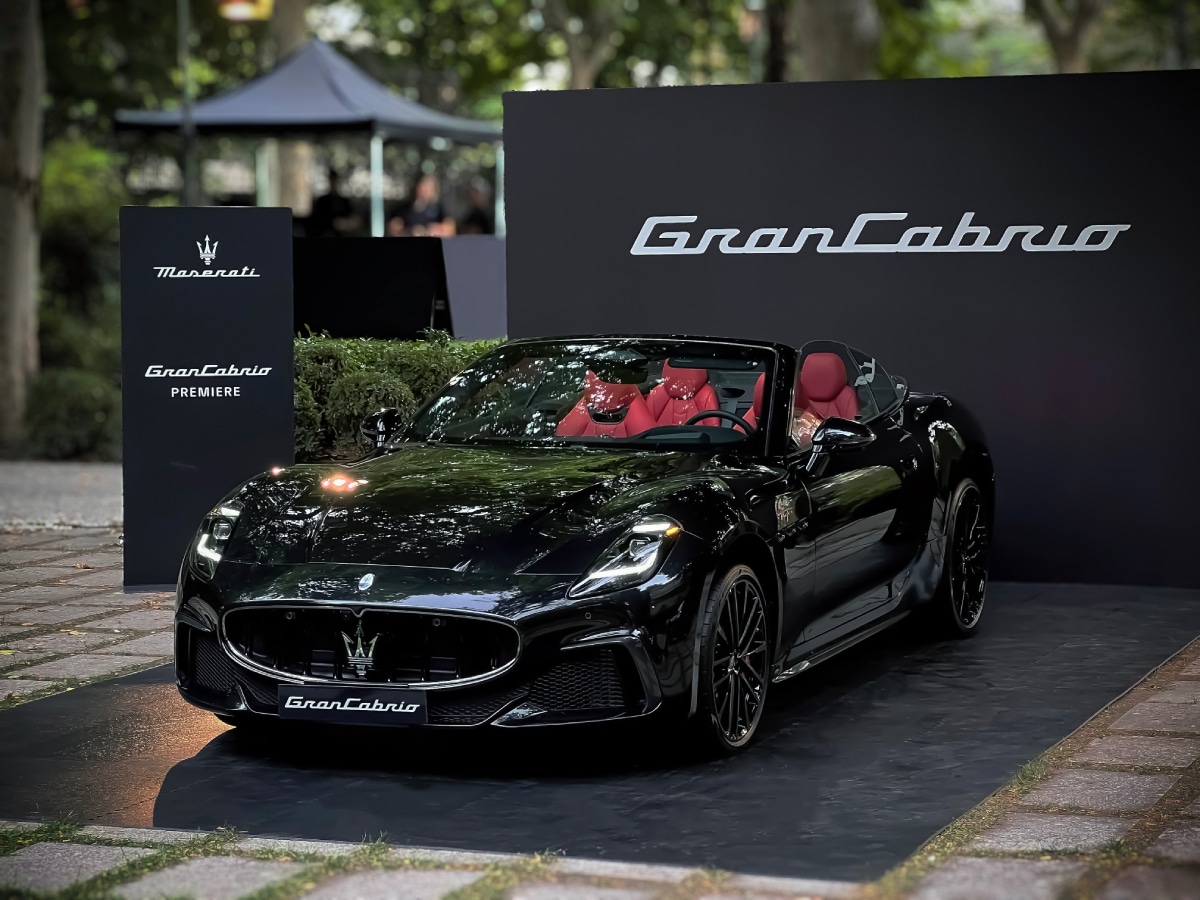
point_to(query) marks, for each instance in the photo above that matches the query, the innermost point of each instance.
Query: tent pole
(183, 15)
(262, 176)
(499, 195)
(377, 185)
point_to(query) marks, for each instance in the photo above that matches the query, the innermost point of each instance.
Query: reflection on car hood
(447, 506)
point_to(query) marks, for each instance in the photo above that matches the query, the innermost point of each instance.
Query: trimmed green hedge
(339, 381)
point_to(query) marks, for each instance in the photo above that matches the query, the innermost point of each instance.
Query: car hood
(455, 507)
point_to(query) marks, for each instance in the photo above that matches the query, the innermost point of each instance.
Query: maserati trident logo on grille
(366, 581)
(359, 656)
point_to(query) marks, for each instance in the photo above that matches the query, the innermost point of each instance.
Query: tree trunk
(22, 72)
(589, 40)
(289, 30)
(775, 65)
(838, 39)
(1069, 25)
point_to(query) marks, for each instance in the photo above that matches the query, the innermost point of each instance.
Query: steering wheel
(722, 414)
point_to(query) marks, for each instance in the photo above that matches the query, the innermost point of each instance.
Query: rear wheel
(963, 588)
(735, 661)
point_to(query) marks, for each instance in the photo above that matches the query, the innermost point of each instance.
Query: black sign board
(370, 287)
(206, 343)
(1026, 245)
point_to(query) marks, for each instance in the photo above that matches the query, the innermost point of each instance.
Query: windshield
(639, 391)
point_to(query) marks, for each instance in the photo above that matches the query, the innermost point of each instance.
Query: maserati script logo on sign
(967, 238)
(208, 252)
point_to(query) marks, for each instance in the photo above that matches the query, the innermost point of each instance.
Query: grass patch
(215, 843)
(16, 839)
(499, 878)
(370, 856)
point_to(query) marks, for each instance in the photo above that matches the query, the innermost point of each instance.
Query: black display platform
(858, 762)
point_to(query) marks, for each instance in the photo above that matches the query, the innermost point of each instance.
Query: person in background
(479, 219)
(423, 215)
(332, 214)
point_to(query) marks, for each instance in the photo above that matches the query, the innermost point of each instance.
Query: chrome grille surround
(357, 612)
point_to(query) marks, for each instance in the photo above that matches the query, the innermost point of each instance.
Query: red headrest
(823, 376)
(608, 397)
(682, 384)
(758, 393)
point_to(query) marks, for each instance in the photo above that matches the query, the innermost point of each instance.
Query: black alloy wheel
(735, 661)
(965, 578)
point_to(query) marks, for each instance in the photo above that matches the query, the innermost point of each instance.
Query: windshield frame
(671, 346)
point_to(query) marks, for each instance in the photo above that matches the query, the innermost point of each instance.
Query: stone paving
(153, 864)
(64, 618)
(1114, 812)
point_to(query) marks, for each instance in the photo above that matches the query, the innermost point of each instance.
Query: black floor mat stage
(858, 761)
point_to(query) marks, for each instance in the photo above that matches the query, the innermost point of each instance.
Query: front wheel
(735, 661)
(963, 587)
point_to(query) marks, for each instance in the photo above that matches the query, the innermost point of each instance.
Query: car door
(860, 510)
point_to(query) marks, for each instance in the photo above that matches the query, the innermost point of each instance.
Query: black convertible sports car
(592, 528)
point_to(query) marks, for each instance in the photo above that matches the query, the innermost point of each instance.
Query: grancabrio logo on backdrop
(1026, 245)
(206, 326)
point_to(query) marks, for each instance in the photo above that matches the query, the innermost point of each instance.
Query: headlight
(632, 559)
(214, 534)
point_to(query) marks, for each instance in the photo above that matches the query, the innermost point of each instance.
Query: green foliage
(74, 413)
(339, 381)
(917, 40)
(74, 407)
(105, 55)
(1147, 34)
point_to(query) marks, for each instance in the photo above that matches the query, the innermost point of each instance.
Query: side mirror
(841, 434)
(381, 427)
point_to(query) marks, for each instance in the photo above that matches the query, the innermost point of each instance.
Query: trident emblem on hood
(359, 657)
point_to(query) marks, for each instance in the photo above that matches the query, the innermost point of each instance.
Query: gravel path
(60, 493)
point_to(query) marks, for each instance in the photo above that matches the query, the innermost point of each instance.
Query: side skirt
(834, 649)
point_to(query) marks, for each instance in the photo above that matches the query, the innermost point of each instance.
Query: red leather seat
(605, 397)
(682, 394)
(824, 389)
(754, 413)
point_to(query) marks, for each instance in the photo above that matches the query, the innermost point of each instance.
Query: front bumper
(612, 658)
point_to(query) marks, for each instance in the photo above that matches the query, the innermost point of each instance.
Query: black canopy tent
(316, 90)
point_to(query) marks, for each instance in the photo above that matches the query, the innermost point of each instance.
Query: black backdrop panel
(1082, 365)
(369, 287)
(206, 368)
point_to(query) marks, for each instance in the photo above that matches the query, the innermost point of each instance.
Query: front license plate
(351, 705)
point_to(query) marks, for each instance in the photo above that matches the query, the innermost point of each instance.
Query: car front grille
(375, 646)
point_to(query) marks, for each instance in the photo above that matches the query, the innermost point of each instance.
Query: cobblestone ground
(149, 864)
(64, 619)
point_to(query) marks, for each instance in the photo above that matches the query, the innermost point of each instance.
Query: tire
(730, 705)
(958, 605)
